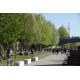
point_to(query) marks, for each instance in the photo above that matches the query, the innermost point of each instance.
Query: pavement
(50, 60)
(47, 60)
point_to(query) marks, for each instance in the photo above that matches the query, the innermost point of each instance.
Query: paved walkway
(49, 60)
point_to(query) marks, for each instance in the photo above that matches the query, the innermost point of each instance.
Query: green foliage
(74, 44)
(71, 44)
(47, 30)
(27, 28)
(30, 25)
(54, 34)
(66, 45)
(9, 28)
(63, 32)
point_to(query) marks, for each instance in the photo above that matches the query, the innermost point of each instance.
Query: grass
(18, 57)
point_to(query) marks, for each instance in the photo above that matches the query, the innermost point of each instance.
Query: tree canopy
(27, 27)
(9, 28)
(63, 32)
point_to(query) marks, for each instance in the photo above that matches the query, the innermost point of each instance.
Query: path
(50, 60)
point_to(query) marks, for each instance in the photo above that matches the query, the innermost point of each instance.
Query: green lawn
(23, 57)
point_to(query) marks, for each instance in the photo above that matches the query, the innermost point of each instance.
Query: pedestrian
(57, 50)
(61, 50)
(53, 50)
(65, 50)
(9, 59)
(32, 52)
(8, 53)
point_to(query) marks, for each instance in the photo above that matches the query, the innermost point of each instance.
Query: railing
(69, 40)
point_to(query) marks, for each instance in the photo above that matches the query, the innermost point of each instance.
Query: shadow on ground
(49, 65)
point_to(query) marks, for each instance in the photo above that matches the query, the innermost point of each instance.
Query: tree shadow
(55, 65)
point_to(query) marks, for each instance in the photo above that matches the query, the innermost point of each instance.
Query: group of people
(7, 55)
(57, 50)
(27, 53)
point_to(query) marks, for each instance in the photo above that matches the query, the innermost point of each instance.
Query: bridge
(69, 40)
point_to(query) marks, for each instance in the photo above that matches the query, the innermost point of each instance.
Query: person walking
(8, 55)
(53, 50)
(32, 52)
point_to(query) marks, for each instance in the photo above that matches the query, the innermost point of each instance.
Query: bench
(27, 61)
(19, 63)
(34, 59)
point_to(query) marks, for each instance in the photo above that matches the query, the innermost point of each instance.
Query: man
(9, 59)
(32, 52)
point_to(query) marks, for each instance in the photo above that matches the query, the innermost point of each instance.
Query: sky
(65, 19)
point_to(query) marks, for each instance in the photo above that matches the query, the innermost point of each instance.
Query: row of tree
(28, 29)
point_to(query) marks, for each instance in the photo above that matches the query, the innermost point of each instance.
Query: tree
(32, 30)
(44, 29)
(63, 32)
(54, 34)
(9, 28)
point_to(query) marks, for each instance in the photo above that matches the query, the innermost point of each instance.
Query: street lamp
(68, 27)
(17, 48)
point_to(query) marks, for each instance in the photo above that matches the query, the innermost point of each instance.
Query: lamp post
(17, 48)
(68, 27)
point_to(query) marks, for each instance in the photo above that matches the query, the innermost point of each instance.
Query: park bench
(27, 61)
(34, 59)
(19, 63)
